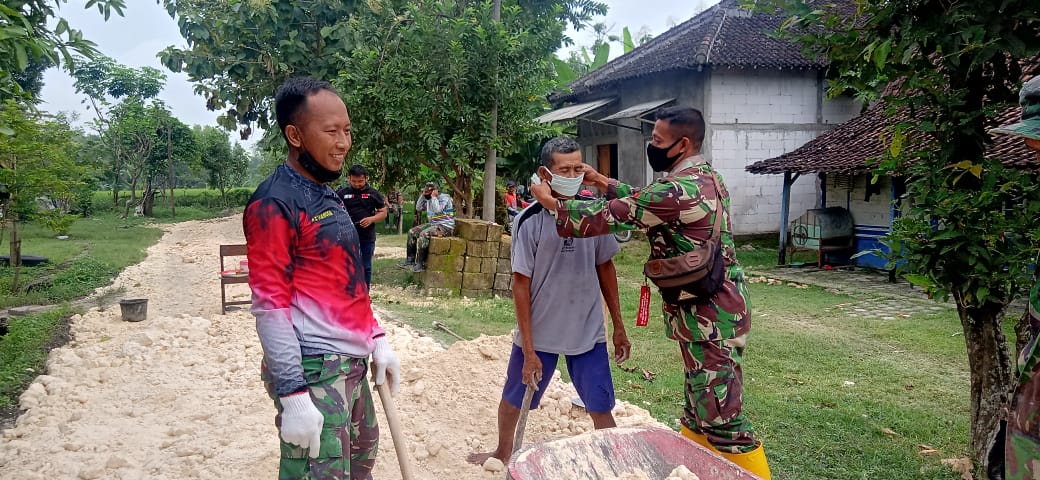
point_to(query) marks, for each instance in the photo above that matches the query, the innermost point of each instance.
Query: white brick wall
(758, 114)
(757, 96)
(756, 199)
(876, 211)
(840, 110)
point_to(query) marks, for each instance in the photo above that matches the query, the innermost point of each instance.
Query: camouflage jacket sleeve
(1023, 427)
(686, 203)
(1029, 359)
(628, 208)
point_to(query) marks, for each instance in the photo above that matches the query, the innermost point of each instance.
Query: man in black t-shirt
(366, 207)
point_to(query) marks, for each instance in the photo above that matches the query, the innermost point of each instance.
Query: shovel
(441, 326)
(521, 425)
(395, 431)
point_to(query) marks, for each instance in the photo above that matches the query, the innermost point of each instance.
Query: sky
(135, 39)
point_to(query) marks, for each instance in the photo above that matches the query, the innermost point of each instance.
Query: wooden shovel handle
(400, 446)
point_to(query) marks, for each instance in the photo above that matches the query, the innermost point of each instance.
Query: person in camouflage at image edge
(711, 334)
(440, 211)
(1022, 445)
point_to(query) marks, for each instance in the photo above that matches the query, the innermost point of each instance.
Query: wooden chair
(232, 277)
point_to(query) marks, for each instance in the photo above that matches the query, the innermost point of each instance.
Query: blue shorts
(589, 371)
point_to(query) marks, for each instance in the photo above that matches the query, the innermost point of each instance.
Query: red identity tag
(643, 315)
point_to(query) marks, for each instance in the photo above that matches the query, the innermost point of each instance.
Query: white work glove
(301, 422)
(385, 362)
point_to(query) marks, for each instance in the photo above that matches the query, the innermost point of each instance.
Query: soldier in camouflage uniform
(1022, 446)
(711, 334)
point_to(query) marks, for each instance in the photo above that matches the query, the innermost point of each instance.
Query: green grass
(758, 254)
(99, 247)
(467, 318)
(23, 352)
(198, 198)
(907, 375)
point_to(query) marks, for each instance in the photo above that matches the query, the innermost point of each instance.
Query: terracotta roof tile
(846, 148)
(723, 35)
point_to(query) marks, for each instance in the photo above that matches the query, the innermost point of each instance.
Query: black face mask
(658, 157)
(320, 173)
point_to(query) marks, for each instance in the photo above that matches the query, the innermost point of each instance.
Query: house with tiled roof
(760, 97)
(841, 162)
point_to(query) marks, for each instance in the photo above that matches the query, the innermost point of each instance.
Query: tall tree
(134, 131)
(39, 159)
(113, 87)
(28, 44)
(226, 164)
(408, 110)
(971, 228)
(240, 51)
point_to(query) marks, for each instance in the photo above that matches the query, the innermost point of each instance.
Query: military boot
(420, 260)
(409, 260)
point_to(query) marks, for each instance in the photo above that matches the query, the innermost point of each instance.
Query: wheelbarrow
(629, 452)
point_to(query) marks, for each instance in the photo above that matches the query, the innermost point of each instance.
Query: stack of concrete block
(443, 274)
(467, 264)
(504, 274)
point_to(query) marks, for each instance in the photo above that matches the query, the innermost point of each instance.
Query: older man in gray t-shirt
(557, 289)
(566, 308)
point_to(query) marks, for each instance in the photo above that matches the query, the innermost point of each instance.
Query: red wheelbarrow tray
(611, 453)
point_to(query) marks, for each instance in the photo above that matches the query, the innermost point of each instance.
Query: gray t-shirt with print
(566, 306)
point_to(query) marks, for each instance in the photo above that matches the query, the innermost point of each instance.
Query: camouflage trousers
(350, 436)
(1022, 446)
(713, 402)
(419, 236)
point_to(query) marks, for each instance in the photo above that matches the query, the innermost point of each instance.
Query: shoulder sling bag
(694, 276)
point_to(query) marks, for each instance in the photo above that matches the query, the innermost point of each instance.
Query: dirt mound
(179, 395)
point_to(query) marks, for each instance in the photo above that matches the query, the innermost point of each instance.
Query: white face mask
(565, 186)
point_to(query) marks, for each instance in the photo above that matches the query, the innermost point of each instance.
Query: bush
(238, 197)
(57, 221)
(81, 279)
(84, 200)
(201, 198)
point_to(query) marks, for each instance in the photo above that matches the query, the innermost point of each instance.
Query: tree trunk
(115, 187)
(15, 260)
(147, 202)
(463, 186)
(132, 201)
(117, 166)
(490, 163)
(991, 375)
(170, 180)
(1022, 332)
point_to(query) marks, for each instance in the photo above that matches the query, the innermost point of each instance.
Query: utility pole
(490, 163)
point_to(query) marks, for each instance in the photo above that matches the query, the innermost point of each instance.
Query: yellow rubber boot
(753, 461)
(700, 438)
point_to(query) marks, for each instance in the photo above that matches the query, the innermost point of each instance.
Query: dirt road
(178, 396)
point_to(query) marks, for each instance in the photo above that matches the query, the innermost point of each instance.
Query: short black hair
(557, 145)
(291, 97)
(357, 170)
(686, 121)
